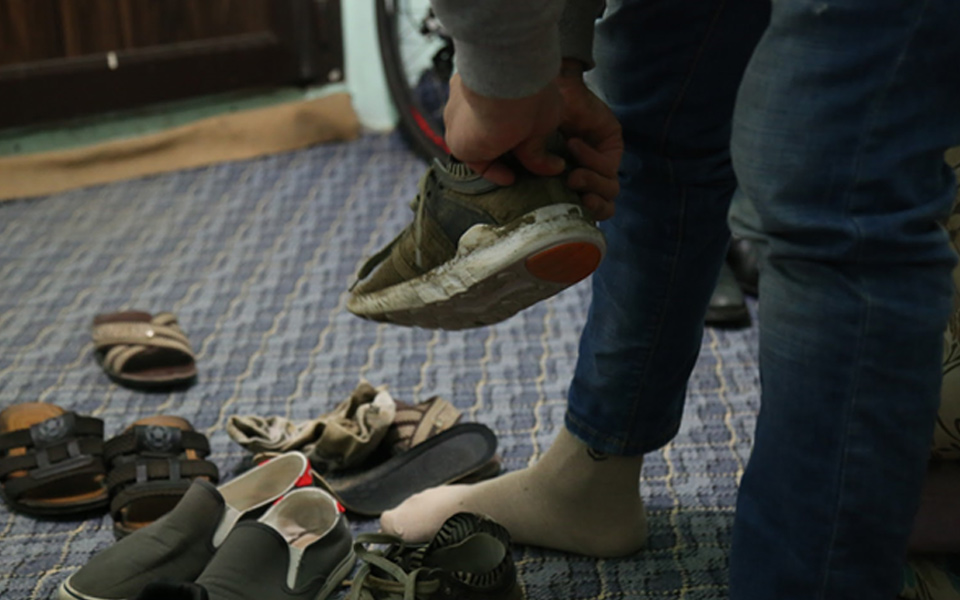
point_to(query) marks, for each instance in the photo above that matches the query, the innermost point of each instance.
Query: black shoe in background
(728, 308)
(742, 259)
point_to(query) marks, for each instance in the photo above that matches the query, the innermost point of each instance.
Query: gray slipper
(178, 546)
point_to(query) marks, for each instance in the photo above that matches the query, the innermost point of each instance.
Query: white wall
(364, 73)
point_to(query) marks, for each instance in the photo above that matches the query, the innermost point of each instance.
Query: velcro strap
(156, 468)
(15, 487)
(48, 462)
(155, 440)
(52, 431)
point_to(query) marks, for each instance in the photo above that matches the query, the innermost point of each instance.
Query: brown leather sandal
(51, 461)
(140, 350)
(152, 464)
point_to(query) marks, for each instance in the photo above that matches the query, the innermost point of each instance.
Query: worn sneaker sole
(496, 273)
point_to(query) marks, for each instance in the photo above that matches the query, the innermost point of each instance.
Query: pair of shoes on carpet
(265, 534)
(55, 463)
(216, 545)
(477, 253)
(739, 276)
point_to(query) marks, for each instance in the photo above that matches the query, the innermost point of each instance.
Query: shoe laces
(406, 585)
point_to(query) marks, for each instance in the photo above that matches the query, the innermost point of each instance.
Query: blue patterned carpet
(255, 258)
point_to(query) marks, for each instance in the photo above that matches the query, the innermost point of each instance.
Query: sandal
(51, 461)
(152, 464)
(139, 350)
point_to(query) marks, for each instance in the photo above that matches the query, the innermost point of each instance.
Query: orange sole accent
(566, 263)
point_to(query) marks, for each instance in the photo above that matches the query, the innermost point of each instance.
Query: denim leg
(670, 71)
(841, 123)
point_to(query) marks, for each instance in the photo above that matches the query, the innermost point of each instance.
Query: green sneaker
(468, 559)
(477, 253)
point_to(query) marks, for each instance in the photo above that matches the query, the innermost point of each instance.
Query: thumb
(533, 155)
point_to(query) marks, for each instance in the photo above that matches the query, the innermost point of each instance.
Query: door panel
(29, 31)
(63, 58)
(91, 26)
(158, 22)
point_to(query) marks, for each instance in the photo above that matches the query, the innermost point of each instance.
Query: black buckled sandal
(51, 461)
(152, 464)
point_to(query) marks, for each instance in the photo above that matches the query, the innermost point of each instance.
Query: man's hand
(480, 130)
(594, 138)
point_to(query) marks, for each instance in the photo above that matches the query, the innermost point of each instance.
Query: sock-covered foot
(573, 499)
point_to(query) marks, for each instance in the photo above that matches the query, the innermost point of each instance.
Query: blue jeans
(830, 118)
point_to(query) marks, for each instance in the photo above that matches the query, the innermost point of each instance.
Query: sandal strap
(15, 487)
(152, 469)
(156, 440)
(150, 489)
(107, 335)
(52, 431)
(50, 461)
(416, 423)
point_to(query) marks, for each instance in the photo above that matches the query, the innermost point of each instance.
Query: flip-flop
(152, 465)
(463, 451)
(140, 350)
(51, 461)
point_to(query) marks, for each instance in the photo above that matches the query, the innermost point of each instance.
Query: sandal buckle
(53, 430)
(158, 440)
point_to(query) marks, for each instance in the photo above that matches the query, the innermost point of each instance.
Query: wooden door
(62, 58)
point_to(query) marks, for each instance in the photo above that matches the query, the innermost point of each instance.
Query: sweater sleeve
(576, 29)
(504, 48)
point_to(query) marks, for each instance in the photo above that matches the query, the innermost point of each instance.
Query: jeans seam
(661, 318)
(855, 384)
(683, 90)
(683, 200)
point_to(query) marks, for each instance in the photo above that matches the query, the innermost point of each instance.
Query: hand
(480, 130)
(594, 138)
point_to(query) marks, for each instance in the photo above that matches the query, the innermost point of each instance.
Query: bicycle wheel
(418, 62)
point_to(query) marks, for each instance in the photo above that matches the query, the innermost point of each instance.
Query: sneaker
(477, 253)
(468, 558)
(301, 549)
(178, 546)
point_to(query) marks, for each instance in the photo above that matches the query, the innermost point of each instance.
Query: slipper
(152, 465)
(139, 350)
(51, 461)
(459, 452)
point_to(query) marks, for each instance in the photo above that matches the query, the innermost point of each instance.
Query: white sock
(573, 499)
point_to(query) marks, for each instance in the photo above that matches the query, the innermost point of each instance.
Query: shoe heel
(565, 263)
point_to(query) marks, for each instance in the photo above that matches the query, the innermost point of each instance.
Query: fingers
(601, 209)
(534, 157)
(587, 181)
(494, 171)
(603, 161)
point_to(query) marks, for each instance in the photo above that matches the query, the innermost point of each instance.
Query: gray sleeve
(576, 29)
(504, 48)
